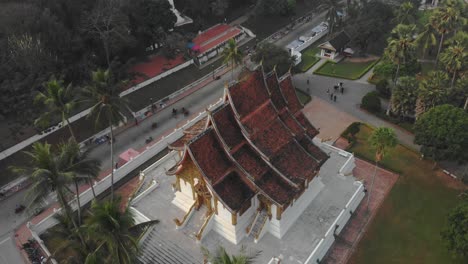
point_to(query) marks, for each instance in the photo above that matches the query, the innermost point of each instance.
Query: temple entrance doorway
(203, 197)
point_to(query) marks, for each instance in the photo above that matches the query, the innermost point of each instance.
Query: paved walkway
(348, 102)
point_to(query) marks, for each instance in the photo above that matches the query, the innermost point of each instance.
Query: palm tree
(222, 257)
(48, 171)
(233, 55)
(405, 13)
(114, 230)
(426, 38)
(382, 140)
(399, 48)
(107, 106)
(432, 91)
(332, 17)
(455, 58)
(60, 101)
(404, 96)
(444, 20)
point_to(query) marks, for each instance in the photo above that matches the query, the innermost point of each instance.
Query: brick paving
(329, 119)
(345, 244)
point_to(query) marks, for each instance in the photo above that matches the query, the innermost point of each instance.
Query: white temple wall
(184, 198)
(279, 227)
(224, 227)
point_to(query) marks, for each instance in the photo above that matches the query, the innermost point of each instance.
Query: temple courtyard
(166, 244)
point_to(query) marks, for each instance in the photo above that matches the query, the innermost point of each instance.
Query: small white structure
(181, 19)
(334, 47)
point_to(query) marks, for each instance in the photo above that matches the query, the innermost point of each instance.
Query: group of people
(336, 88)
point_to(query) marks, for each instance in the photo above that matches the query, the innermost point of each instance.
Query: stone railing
(206, 227)
(183, 222)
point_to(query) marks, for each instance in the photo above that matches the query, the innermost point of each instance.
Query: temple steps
(159, 250)
(259, 224)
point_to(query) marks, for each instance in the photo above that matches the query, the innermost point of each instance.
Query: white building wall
(223, 223)
(184, 199)
(279, 227)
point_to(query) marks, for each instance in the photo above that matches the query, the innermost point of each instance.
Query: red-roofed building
(250, 161)
(211, 42)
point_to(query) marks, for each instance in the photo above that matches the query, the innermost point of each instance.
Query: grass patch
(407, 227)
(345, 69)
(405, 124)
(309, 57)
(303, 97)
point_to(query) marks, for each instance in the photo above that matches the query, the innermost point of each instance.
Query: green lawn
(308, 58)
(407, 227)
(345, 69)
(303, 97)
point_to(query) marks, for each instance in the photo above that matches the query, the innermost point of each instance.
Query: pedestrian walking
(342, 90)
(331, 96)
(307, 81)
(334, 98)
(328, 90)
(116, 165)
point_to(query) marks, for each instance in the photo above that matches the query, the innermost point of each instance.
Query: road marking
(5, 240)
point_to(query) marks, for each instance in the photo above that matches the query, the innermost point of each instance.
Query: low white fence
(156, 78)
(181, 91)
(121, 172)
(310, 41)
(10, 151)
(337, 226)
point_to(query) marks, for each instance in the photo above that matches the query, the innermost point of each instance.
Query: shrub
(383, 88)
(351, 131)
(371, 102)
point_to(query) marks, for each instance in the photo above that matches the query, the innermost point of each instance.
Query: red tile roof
(289, 93)
(189, 133)
(209, 155)
(232, 164)
(226, 125)
(310, 129)
(275, 92)
(233, 191)
(154, 66)
(249, 94)
(295, 163)
(272, 138)
(215, 36)
(260, 118)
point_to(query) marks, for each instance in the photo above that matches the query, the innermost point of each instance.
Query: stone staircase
(259, 224)
(156, 249)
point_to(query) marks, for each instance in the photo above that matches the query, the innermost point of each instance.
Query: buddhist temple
(251, 161)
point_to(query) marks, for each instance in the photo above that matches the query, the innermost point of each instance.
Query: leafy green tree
(60, 100)
(404, 95)
(113, 229)
(222, 257)
(382, 140)
(332, 16)
(273, 57)
(145, 25)
(455, 233)
(371, 102)
(274, 7)
(107, 106)
(232, 55)
(432, 92)
(443, 133)
(455, 59)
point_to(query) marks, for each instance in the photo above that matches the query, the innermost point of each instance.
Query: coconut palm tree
(59, 100)
(405, 13)
(432, 91)
(400, 47)
(48, 172)
(107, 106)
(454, 58)
(222, 257)
(232, 55)
(114, 230)
(382, 140)
(333, 7)
(426, 38)
(404, 96)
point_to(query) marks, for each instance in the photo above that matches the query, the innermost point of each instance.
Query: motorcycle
(19, 209)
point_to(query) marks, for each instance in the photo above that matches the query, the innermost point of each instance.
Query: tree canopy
(273, 56)
(455, 233)
(443, 133)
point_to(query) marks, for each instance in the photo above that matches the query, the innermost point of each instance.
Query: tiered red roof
(258, 141)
